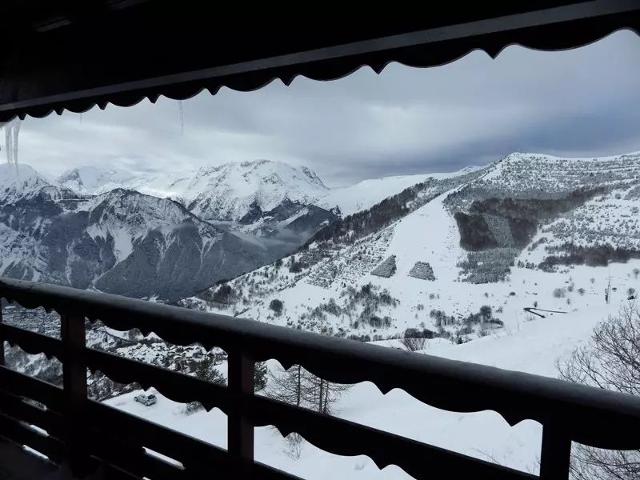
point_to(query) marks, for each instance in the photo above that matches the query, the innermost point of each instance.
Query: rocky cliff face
(120, 242)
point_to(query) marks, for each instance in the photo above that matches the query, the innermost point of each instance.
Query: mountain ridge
(489, 203)
(218, 192)
(431, 255)
(121, 241)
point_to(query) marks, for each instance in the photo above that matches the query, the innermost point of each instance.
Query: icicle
(11, 132)
(15, 130)
(7, 141)
(181, 113)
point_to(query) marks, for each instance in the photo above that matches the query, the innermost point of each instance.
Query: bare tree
(294, 443)
(611, 360)
(413, 344)
(301, 388)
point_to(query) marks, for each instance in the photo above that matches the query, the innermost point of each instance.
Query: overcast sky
(583, 102)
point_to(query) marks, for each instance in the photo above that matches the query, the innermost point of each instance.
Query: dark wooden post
(239, 427)
(75, 392)
(556, 454)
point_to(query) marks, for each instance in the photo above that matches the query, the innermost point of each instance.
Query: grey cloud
(581, 102)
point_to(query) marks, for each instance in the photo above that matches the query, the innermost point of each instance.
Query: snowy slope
(536, 174)
(319, 297)
(611, 218)
(324, 288)
(528, 345)
(365, 194)
(440, 241)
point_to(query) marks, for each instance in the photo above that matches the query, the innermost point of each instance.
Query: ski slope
(430, 233)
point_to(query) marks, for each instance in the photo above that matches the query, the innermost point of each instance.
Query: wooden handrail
(568, 412)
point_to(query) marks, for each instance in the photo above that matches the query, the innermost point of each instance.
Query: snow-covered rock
(18, 181)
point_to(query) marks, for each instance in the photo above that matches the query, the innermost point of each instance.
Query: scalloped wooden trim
(440, 50)
(613, 418)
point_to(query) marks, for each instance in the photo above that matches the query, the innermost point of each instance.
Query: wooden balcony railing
(83, 433)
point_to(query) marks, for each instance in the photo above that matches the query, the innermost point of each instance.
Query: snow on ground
(527, 343)
(608, 219)
(430, 233)
(523, 173)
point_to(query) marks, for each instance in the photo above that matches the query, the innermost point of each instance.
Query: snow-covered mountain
(524, 210)
(266, 199)
(226, 192)
(92, 180)
(427, 259)
(19, 181)
(245, 191)
(121, 241)
(231, 191)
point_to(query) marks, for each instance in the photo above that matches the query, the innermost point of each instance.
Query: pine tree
(260, 376)
(205, 370)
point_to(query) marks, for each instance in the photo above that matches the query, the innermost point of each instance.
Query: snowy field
(526, 343)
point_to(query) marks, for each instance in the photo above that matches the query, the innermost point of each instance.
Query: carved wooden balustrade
(83, 433)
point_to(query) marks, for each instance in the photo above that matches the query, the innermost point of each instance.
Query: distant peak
(257, 162)
(549, 157)
(264, 166)
(6, 168)
(13, 174)
(21, 180)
